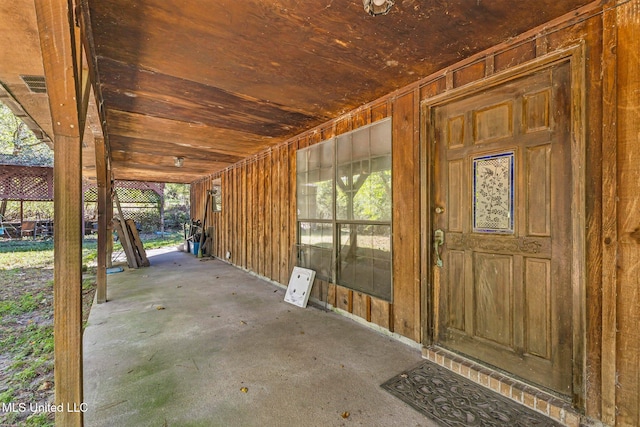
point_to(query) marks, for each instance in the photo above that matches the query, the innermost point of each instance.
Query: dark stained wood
(276, 232)
(191, 66)
(521, 53)
(498, 294)
(109, 215)
(292, 211)
(628, 175)
(406, 291)
(432, 88)
(134, 89)
(179, 149)
(149, 162)
(261, 216)
(103, 200)
(192, 135)
(602, 238)
(601, 301)
(469, 74)
(380, 313)
(249, 192)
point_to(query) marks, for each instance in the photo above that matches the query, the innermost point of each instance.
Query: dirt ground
(26, 339)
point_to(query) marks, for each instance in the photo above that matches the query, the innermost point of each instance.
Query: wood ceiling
(217, 81)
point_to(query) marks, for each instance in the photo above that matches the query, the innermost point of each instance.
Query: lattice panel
(130, 192)
(26, 183)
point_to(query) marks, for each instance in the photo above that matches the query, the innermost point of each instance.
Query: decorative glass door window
(493, 193)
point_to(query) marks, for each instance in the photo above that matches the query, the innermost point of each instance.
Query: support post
(101, 174)
(56, 33)
(109, 214)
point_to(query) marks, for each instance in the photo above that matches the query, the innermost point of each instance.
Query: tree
(18, 145)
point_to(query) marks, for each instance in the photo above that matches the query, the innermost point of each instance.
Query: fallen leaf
(160, 307)
(345, 415)
(404, 376)
(45, 386)
(244, 389)
(243, 322)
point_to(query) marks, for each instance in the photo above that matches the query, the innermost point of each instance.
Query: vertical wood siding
(628, 272)
(258, 219)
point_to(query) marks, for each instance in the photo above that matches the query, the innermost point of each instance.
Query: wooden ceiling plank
(137, 174)
(277, 42)
(128, 158)
(137, 145)
(186, 134)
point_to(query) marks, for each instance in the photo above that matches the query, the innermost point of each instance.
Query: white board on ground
(299, 286)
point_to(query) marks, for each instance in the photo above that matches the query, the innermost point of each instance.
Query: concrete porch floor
(177, 342)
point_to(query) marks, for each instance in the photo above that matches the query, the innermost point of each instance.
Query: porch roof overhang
(214, 82)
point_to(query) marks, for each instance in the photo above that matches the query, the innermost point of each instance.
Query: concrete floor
(201, 343)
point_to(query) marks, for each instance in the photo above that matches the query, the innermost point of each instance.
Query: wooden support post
(55, 30)
(124, 235)
(101, 173)
(109, 215)
(137, 246)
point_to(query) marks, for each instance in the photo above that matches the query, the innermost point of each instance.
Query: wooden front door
(502, 199)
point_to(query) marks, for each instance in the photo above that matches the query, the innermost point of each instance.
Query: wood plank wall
(257, 224)
(627, 350)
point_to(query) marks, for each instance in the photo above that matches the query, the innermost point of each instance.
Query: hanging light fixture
(377, 7)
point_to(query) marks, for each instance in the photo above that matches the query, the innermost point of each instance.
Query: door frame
(575, 56)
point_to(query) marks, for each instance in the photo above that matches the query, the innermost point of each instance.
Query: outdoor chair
(28, 228)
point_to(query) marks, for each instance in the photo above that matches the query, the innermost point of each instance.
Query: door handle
(438, 240)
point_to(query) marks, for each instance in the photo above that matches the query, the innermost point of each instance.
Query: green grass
(7, 396)
(25, 304)
(26, 312)
(39, 420)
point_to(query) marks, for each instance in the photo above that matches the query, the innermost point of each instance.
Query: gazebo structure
(135, 198)
(26, 183)
(463, 174)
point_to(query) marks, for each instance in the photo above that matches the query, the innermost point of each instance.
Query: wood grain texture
(55, 31)
(188, 67)
(597, 208)
(103, 199)
(602, 312)
(276, 232)
(405, 167)
(628, 173)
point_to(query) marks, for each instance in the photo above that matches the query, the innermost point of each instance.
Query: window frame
(332, 272)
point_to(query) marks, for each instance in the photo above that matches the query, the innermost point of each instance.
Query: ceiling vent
(36, 84)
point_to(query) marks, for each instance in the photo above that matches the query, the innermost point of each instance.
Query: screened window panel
(316, 248)
(363, 186)
(351, 173)
(315, 181)
(365, 259)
